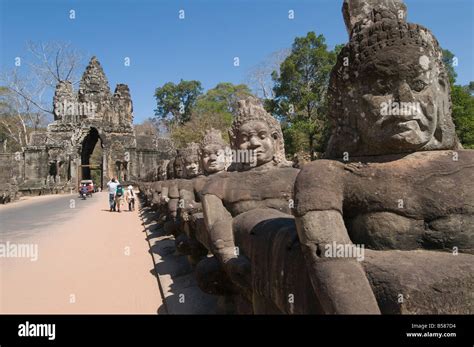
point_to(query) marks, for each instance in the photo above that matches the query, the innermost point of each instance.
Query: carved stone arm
(164, 194)
(339, 281)
(218, 223)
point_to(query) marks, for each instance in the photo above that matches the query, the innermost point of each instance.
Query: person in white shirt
(130, 198)
(112, 184)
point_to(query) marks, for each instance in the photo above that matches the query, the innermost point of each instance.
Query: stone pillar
(105, 165)
(75, 164)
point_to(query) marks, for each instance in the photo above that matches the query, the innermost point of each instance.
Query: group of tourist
(117, 195)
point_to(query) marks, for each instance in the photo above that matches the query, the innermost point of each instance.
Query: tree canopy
(213, 109)
(174, 102)
(301, 93)
(463, 114)
(463, 103)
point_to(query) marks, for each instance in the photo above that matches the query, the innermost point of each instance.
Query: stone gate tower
(91, 116)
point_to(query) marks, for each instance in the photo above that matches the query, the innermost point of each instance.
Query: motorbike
(83, 195)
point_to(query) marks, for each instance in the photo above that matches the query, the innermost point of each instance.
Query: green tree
(223, 98)
(301, 93)
(450, 62)
(174, 102)
(463, 114)
(463, 103)
(214, 109)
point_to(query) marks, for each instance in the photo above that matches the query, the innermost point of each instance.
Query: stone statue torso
(422, 200)
(244, 191)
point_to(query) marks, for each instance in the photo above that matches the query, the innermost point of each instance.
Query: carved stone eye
(442, 82)
(384, 87)
(419, 85)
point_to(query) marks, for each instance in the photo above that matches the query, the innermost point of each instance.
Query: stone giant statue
(235, 202)
(398, 182)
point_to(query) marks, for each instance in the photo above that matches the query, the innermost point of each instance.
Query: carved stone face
(256, 136)
(213, 158)
(401, 99)
(162, 172)
(191, 166)
(170, 170)
(178, 168)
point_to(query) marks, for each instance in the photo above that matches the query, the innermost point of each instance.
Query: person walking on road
(119, 197)
(112, 184)
(130, 198)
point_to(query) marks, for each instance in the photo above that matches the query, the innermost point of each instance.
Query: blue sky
(164, 48)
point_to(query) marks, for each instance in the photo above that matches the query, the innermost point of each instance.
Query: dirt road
(89, 260)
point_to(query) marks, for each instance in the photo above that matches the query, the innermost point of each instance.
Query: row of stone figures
(384, 225)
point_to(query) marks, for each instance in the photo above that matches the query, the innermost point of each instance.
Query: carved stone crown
(385, 32)
(190, 150)
(212, 137)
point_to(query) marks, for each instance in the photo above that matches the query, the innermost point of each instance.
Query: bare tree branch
(29, 85)
(259, 77)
